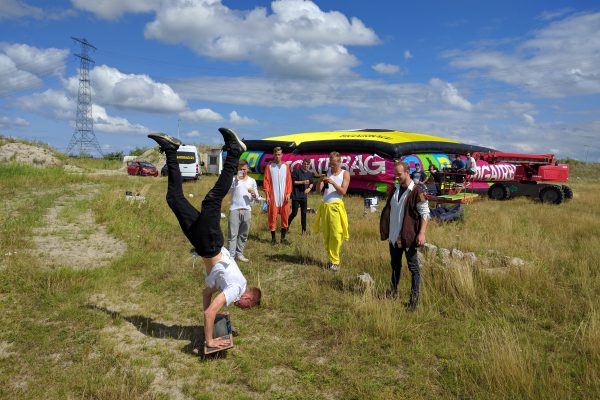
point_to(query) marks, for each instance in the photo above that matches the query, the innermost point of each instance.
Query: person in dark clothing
(301, 179)
(403, 223)
(458, 168)
(435, 176)
(457, 164)
(203, 230)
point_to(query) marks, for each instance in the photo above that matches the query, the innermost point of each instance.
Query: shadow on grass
(256, 238)
(149, 327)
(295, 259)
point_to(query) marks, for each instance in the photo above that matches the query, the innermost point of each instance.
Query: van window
(186, 157)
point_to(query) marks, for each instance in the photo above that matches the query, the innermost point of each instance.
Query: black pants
(303, 205)
(413, 266)
(203, 229)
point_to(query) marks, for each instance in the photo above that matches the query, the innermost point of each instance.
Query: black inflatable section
(387, 149)
(348, 146)
(390, 150)
(269, 145)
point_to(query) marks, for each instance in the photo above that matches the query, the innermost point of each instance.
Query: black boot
(413, 303)
(391, 293)
(165, 141)
(273, 241)
(283, 239)
(233, 144)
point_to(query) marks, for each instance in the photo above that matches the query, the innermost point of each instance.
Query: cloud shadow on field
(146, 325)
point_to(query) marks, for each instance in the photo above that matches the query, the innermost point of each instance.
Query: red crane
(536, 175)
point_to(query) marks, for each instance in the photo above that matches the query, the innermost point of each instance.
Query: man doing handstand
(203, 230)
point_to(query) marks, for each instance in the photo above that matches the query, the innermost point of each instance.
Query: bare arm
(207, 296)
(421, 234)
(209, 322)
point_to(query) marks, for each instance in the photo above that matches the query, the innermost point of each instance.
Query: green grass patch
(128, 330)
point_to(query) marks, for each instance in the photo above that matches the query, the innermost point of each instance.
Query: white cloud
(16, 9)
(296, 39)
(35, 60)
(200, 137)
(388, 69)
(105, 123)
(129, 91)
(8, 122)
(528, 119)
(51, 103)
(237, 119)
(558, 60)
(193, 134)
(449, 94)
(22, 66)
(113, 9)
(201, 115)
(56, 104)
(407, 55)
(14, 79)
(549, 15)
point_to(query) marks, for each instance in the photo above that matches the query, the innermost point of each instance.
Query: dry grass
(129, 330)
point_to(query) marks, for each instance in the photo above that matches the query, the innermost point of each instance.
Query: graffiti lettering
(497, 172)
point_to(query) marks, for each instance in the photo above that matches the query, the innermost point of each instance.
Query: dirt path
(70, 236)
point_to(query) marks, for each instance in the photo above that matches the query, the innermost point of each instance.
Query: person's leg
(245, 218)
(233, 228)
(295, 204)
(413, 266)
(284, 211)
(303, 207)
(185, 213)
(207, 229)
(396, 264)
(272, 212)
(334, 225)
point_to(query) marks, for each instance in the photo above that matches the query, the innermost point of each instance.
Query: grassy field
(131, 329)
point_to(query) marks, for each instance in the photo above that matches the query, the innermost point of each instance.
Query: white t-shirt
(471, 164)
(330, 194)
(227, 277)
(241, 199)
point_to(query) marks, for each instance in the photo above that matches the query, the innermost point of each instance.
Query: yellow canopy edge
(387, 137)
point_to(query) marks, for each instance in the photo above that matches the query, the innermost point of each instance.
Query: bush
(138, 151)
(117, 155)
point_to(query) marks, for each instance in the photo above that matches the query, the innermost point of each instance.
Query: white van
(189, 162)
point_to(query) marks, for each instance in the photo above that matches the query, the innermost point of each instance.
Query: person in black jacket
(403, 223)
(302, 181)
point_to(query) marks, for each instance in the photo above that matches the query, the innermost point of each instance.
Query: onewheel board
(221, 329)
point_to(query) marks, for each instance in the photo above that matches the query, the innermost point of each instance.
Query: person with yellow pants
(331, 218)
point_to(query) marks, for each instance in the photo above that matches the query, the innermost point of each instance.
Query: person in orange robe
(277, 185)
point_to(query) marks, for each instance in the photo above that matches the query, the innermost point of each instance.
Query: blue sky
(517, 76)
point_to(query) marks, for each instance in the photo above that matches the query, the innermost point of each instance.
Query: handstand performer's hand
(218, 342)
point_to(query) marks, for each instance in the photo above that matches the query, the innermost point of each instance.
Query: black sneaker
(232, 141)
(285, 241)
(165, 141)
(273, 242)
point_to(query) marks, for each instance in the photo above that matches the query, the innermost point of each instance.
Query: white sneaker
(242, 258)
